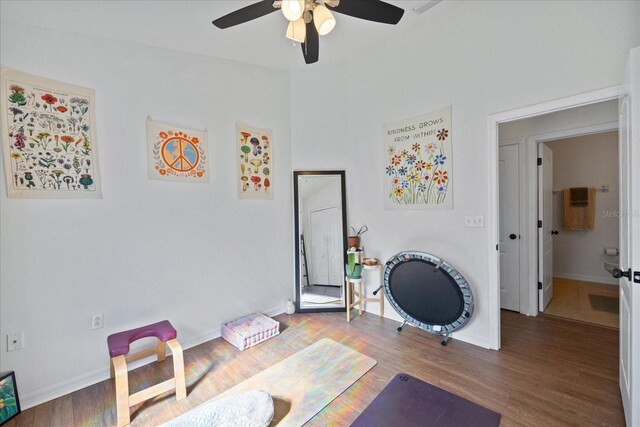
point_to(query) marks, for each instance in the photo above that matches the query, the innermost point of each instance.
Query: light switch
(474, 220)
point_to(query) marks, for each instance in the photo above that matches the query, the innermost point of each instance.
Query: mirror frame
(296, 217)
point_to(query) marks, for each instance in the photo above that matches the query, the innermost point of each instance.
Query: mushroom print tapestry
(255, 162)
(176, 153)
(417, 162)
(48, 138)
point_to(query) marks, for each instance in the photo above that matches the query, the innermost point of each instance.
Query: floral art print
(48, 138)
(418, 157)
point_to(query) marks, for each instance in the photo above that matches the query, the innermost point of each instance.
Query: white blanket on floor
(250, 409)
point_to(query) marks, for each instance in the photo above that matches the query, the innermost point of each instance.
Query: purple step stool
(119, 347)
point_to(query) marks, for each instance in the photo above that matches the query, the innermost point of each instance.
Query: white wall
(586, 161)
(319, 131)
(481, 58)
(148, 250)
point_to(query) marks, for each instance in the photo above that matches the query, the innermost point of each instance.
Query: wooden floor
(571, 300)
(550, 372)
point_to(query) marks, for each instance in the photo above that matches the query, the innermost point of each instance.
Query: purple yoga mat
(406, 401)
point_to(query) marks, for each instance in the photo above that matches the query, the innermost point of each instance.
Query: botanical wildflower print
(176, 153)
(49, 139)
(254, 154)
(417, 167)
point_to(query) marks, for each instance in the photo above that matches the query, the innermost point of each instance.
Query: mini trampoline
(428, 293)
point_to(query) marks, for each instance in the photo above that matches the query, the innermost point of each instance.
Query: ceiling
(186, 26)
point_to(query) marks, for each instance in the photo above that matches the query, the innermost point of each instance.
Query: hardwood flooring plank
(549, 372)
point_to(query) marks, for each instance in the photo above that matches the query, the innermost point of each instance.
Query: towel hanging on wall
(579, 209)
(579, 196)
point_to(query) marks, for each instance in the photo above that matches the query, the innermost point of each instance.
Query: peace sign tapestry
(176, 153)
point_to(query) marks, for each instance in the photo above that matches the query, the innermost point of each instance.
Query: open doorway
(530, 228)
(584, 228)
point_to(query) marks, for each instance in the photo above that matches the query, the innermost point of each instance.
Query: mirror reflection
(321, 241)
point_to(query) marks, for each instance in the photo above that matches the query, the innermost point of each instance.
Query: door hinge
(497, 248)
(636, 276)
(539, 223)
(539, 285)
(539, 161)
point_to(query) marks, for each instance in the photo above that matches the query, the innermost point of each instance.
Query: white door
(509, 227)
(325, 233)
(629, 134)
(545, 214)
(318, 261)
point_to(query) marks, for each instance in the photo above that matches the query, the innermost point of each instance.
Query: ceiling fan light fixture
(315, 11)
(297, 30)
(323, 19)
(292, 9)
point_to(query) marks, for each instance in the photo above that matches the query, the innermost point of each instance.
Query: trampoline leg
(402, 326)
(445, 340)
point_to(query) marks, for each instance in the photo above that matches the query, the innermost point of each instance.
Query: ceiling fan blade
(311, 46)
(371, 10)
(245, 14)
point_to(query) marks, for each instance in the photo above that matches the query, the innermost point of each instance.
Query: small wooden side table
(351, 292)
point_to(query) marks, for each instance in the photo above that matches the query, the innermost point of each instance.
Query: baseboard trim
(586, 278)
(62, 388)
(460, 335)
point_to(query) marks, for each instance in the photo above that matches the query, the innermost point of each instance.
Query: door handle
(512, 236)
(554, 232)
(617, 273)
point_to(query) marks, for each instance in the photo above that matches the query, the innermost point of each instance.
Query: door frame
(493, 121)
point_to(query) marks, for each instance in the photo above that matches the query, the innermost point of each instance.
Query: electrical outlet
(474, 220)
(15, 341)
(97, 321)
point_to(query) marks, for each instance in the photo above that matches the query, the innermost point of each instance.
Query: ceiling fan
(309, 19)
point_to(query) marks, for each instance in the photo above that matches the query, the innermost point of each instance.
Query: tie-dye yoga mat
(304, 383)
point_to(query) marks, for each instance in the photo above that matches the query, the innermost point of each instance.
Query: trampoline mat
(426, 293)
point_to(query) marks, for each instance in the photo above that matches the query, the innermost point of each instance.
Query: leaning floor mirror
(321, 240)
